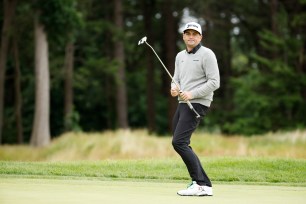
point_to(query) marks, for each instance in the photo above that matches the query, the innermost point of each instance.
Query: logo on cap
(192, 25)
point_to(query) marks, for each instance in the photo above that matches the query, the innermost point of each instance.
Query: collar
(195, 49)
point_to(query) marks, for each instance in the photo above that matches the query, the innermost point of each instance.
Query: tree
(171, 30)
(18, 95)
(57, 18)
(68, 81)
(9, 8)
(73, 24)
(148, 7)
(41, 126)
(121, 78)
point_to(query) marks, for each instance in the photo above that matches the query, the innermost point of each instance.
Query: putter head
(144, 39)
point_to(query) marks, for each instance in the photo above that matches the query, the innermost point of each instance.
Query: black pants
(184, 124)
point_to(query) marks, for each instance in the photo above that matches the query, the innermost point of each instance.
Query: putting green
(27, 190)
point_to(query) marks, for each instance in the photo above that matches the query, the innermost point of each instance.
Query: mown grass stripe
(225, 169)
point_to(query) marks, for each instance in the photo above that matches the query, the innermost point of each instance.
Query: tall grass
(138, 144)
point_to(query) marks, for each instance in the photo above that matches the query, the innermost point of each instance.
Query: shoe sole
(195, 195)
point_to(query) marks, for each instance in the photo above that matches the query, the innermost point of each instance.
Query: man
(197, 74)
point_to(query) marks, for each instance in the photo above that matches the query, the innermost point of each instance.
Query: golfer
(197, 74)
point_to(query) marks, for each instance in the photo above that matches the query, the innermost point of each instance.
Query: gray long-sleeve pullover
(198, 73)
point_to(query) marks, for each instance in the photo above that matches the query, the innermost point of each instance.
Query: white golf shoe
(196, 190)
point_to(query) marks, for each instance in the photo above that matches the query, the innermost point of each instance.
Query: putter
(144, 40)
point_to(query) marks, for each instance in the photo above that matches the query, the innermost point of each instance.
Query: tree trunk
(151, 115)
(9, 8)
(68, 107)
(121, 79)
(18, 96)
(273, 9)
(41, 127)
(170, 50)
(273, 18)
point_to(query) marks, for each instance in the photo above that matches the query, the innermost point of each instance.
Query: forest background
(73, 65)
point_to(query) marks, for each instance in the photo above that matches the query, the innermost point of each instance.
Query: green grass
(221, 169)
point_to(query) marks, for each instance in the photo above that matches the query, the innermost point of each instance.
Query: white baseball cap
(193, 26)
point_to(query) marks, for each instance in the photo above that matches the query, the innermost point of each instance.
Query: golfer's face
(191, 38)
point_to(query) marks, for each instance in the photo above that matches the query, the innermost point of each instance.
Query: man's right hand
(174, 92)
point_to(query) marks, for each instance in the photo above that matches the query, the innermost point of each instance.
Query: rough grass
(138, 144)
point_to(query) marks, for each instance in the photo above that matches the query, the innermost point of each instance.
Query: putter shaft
(144, 39)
